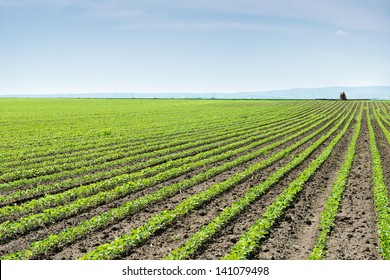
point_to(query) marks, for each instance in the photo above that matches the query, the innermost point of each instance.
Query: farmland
(194, 179)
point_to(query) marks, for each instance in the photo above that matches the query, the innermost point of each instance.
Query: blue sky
(83, 46)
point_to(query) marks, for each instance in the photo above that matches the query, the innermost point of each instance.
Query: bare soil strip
(355, 233)
(295, 235)
(384, 150)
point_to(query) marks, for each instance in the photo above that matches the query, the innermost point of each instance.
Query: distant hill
(368, 92)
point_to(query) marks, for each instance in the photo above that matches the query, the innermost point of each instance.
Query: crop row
(267, 135)
(332, 204)
(127, 158)
(88, 142)
(385, 119)
(250, 240)
(386, 107)
(190, 122)
(159, 173)
(125, 242)
(381, 196)
(115, 176)
(125, 144)
(97, 158)
(98, 222)
(9, 229)
(154, 161)
(167, 148)
(19, 155)
(101, 158)
(207, 232)
(383, 128)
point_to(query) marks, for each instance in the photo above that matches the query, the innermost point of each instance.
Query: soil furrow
(294, 235)
(384, 151)
(354, 235)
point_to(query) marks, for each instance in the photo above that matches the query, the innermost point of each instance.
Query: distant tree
(343, 96)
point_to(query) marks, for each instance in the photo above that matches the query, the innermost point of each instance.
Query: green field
(194, 179)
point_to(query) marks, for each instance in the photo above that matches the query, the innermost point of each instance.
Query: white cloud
(341, 33)
(196, 26)
(24, 3)
(368, 15)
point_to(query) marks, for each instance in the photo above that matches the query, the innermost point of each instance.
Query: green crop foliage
(382, 126)
(381, 196)
(61, 159)
(127, 241)
(10, 229)
(250, 240)
(331, 209)
(106, 218)
(205, 155)
(229, 213)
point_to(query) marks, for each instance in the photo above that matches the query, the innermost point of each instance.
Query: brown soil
(295, 234)
(355, 233)
(384, 150)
